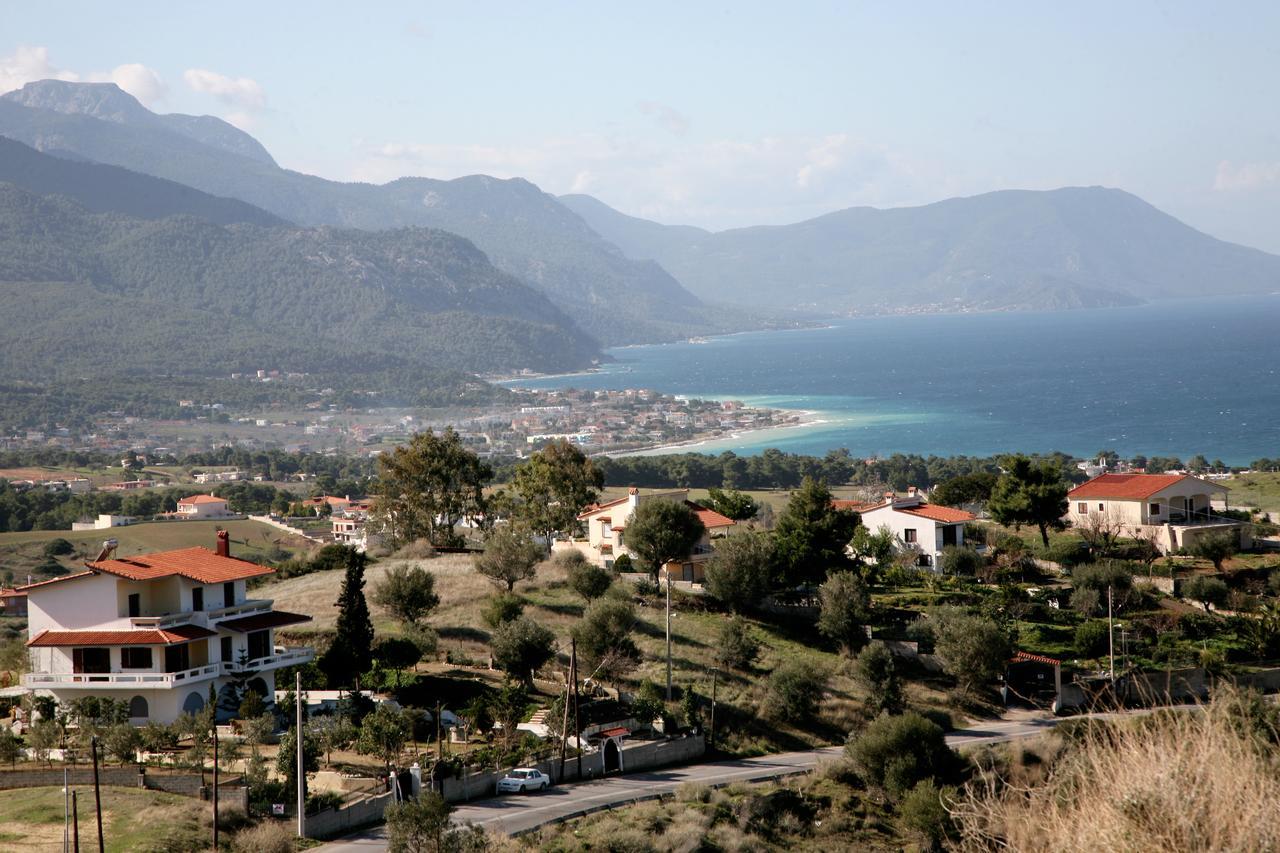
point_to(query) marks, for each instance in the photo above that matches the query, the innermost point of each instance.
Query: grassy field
(695, 632)
(21, 552)
(1261, 490)
(31, 818)
(775, 498)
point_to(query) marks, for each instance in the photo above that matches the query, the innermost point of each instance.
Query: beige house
(1172, 509)
(203, 506)
(916, 525)
(606, 526)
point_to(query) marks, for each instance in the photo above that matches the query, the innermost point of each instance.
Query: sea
(1173, 378)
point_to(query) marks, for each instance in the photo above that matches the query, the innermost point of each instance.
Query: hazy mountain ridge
(1009, 250)
(100, 189)
(107, 294)
(525, 231)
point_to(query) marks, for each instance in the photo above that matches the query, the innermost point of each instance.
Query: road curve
(516, 814)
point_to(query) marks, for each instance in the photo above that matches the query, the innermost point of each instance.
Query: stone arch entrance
(612, 756)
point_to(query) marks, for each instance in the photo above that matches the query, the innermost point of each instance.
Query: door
(197, 599)
(612, 760)
(226, 650)
(177, 658)
(135, 604)
(91, 660)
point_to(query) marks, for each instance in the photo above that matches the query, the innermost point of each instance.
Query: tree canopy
(429, 485)
(1030, 492)
(551, 487)
(662, 531)
(812, 534)
(510, 555)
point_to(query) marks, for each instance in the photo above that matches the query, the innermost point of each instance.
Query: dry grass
(1174, 781)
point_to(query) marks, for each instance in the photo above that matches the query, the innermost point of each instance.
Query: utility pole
(215, 782)
(97, 792)
(712, 733)
(573, 674)
(1111, 640)
(75, 824)
(66, 811)
(302, 779)
(564, 725)
(439, 736)
(668, 635)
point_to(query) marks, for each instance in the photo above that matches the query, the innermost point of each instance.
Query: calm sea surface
(1176, 378)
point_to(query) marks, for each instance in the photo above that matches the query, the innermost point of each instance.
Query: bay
(1171, 378)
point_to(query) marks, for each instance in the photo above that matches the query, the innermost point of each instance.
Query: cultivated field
(31, 819)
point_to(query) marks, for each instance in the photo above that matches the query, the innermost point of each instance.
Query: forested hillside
(106, 294)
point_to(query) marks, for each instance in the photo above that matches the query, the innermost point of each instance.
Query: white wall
(87, 602)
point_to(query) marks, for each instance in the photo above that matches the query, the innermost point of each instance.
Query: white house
(1172, 509)
(925, 527)
(158, 630)
(351, 527)
(201, 507)
(606, 526)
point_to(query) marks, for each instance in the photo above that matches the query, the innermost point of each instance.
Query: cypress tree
(350, 654)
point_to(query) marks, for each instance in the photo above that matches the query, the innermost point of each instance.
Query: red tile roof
(709, 517)
(1132, 487)
(594, 508)
(179, 634)
(934, 512)
(56, 580)
(856, 506)
(1030, 656)
(198, 564)
(201, 499)
(261, 621)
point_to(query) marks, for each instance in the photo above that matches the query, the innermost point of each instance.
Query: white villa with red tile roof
(202, 507)
(606, 526)
(925, 527)
(1173, 508)
(157, 630)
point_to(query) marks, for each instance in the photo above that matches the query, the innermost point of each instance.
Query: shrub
(974, 649)
(960, 561)
(1217, 547)
(267, 837)
(794, 689)
(1068, 553)
(418, 549)
(623, 563)
(739, 573)
(1092, 639)
(58, 548)
(737, 648)
(587, 580)
(845, 610)
(875, 671)
(502, 608)
(898, 752)
(522, 646)
(1207, 590)
(925, 815)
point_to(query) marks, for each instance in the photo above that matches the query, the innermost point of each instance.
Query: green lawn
(1260, 490)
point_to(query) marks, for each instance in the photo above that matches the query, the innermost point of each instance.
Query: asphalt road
(514, 814)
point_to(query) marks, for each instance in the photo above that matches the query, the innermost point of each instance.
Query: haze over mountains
(184, 231)
(1077, 247)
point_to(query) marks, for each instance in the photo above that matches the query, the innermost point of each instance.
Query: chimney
(224, 544)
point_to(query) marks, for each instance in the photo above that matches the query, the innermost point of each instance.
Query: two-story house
(606, 526)
(1171, 509)
(158, 630)
(917, 525)
(202, 507)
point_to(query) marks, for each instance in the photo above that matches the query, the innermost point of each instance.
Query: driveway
(516, 814)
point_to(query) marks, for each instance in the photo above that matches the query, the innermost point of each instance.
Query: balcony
(280, 656)
(203, 618)
(244, 608)
(121, 680)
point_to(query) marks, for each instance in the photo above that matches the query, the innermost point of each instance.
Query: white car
(522, 780)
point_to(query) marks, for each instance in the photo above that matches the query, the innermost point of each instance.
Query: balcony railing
(203, 617)
(244, 608)
(169, 620)
(121, 680)
(280, 656)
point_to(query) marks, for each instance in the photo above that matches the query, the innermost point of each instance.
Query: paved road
(513, 814)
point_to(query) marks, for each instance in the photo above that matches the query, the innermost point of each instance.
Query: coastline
(806, 419)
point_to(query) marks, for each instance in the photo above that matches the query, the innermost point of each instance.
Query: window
(1153, 509)
(909, 536)
(227, 654)
(197, 599)
(606, 529)
(135, 657)
(259, 644)
(1082, 508)
(1102, 507)
(138, 708)
(91, 660)
(228, 593)
(135, 604)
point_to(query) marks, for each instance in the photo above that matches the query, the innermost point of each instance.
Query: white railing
(280, 656)
(122, 680)
(170, 620)
(244, 608)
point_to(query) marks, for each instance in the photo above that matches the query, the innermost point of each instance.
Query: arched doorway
(612, 756)
(194, 703)
(257, 685)
(138, 708)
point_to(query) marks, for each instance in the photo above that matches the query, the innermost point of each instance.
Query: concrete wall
(333, 822)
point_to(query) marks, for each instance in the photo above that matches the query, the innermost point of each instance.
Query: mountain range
(523, 230)
(1076, 247)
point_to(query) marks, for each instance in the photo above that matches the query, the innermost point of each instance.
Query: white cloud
(28, 64)
(1246, 176)
(716, 183)
(241, 93)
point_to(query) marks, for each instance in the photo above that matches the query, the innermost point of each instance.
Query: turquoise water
(1176, 378)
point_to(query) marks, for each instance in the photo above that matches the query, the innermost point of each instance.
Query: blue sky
(724, 114)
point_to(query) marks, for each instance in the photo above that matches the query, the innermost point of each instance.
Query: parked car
(522, 780)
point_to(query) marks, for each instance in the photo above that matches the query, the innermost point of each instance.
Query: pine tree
(350, 654)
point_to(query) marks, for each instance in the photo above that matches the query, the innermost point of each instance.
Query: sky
(718, 114)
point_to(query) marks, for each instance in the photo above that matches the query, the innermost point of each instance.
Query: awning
(618, 732)
(168, 636)
(262, 621)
